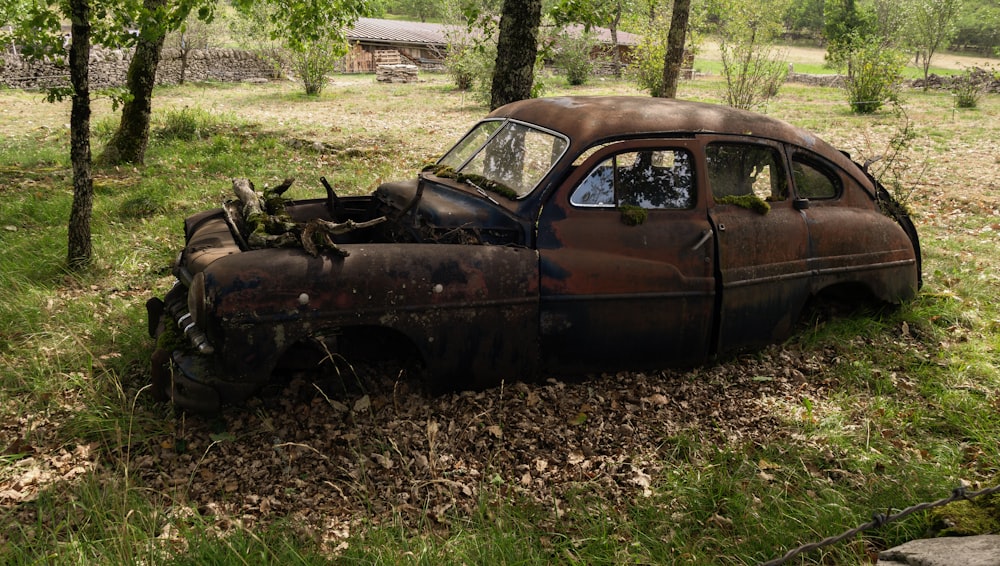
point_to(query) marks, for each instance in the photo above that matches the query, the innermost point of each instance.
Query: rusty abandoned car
(558, 236)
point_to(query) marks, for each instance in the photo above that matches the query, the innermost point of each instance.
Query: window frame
(612, 154)
(822, 166)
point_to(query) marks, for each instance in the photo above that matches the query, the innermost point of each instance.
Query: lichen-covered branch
(319, 233)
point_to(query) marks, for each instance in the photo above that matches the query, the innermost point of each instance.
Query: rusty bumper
(179, 372)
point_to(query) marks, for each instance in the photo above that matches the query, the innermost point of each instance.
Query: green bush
(970, 86)
(647, 65)
(471, 67)
(573, 56)
(874, 74)
(313, 62)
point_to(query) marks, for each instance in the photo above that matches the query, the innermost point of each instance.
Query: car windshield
(504, 156)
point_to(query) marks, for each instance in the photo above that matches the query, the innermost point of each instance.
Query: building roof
(421, 33)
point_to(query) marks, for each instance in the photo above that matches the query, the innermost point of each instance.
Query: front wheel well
(363, 353)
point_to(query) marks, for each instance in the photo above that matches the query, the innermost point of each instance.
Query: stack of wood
(387, 57)
(389, 68)
(396, 73)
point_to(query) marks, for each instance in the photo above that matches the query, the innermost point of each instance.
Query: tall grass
(909, 409)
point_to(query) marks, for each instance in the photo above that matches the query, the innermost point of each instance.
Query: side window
(739, 169)
(814, 181)
(651, 179)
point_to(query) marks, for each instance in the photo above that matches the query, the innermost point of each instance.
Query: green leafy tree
(874, 76)
(751, 63)
(844, 23)
(310, 35)
(647, 60)
(595, 13)
(422, 10)
(932, 26)
(864, 41)
(804, 19)
(978, 27)
(36, 29)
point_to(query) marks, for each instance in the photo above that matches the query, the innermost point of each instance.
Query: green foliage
(314, 61)
(649, 56)
(470, 65)
(978, 28)
(573, 54)
(844, 24)
(873, 75)
(187, 124)
(969, 87)
(804, 18)
(753, 69)
(299, 23)
(931, 27)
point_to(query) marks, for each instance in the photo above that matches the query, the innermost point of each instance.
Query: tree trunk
(616, 55)
(80, 250)
(675, 48)
(128, 145)
(517, 47)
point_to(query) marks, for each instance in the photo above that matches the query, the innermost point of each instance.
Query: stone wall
(109, 67)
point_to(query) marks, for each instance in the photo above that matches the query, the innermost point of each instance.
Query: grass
(908, 410)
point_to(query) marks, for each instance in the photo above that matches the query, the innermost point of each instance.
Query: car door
(626, 261)
(762, 242)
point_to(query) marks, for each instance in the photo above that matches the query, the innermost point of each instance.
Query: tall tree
(154, 18)
(674, 57)
(36, 28)
(517, 48)
(129, 142)
(80, 249)
(933, 25)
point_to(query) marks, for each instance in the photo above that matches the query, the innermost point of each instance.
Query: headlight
(197, 304)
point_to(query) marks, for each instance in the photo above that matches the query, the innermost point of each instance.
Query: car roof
(588, 120)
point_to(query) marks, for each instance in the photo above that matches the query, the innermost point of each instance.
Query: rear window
(814, 180)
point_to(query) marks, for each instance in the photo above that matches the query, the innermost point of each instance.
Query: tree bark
(80, 249)
(128, 144)
(517, 47)
(675, 48)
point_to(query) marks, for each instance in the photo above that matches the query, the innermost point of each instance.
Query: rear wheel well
(840, 299)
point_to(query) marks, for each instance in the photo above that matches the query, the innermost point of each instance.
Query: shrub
(970, 86)
(873, 75)
(647, 66)
(573, 56)
(312, 63)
